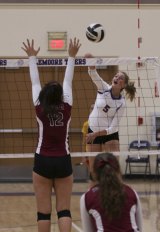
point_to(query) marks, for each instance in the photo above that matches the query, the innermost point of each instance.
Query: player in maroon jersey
(52, 162)
(111, 205)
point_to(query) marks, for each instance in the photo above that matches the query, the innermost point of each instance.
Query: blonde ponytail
(129, 88)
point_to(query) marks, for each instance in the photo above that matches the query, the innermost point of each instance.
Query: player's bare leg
(63, 198)
(112, 146)
(43, 193)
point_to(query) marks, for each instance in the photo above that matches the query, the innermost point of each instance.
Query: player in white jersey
(107, 112)
(52, 163)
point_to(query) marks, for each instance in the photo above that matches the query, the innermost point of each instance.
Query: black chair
(158, 164)
(138, 161)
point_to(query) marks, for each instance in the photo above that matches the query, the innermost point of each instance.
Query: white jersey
(107, 110)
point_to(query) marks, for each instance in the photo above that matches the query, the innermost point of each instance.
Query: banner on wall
(43, 62)
(81, 1)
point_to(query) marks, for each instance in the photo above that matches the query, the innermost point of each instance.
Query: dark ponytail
(50, 97)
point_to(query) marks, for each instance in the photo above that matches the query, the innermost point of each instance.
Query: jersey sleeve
(98, 81)
(85, 217)
(67, 83)
(115, 122)
(139, 213)
(34, 75)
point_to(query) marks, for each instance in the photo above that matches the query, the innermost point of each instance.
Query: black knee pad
(64, 213)
(43, 216)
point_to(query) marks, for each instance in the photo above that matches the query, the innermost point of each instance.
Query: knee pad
(43, 216)
(64, 213)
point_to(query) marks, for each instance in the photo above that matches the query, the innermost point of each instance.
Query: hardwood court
(18, 209)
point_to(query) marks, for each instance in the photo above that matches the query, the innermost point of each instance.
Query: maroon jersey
(125, 223)
(53, 131)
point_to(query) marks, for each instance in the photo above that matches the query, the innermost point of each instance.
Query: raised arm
(73, 48)
(99, 82)
(28, 47)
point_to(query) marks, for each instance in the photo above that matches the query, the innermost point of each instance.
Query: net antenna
(139, 64)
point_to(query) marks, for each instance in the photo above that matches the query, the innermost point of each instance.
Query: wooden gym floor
(18, 209)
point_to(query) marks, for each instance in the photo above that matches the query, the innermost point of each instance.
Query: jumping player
(108, 110)
(52, 163)
(110, 206)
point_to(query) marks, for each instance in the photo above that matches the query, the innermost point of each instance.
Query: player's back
(53, 131)
(126, 221)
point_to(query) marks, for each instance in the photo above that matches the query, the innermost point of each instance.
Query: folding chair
(138, 161)
(157, 173)
(157, 166)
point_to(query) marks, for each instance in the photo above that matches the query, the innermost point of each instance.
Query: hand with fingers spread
(74, 46)
(29, 48)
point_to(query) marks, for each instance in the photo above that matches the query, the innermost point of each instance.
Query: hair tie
(110, 162)
(113, 163)
(102, 163)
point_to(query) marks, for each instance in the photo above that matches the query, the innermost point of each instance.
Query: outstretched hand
(89, 55)
(29, 48)
(74, 46)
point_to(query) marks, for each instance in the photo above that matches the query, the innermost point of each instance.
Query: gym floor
(18, 209)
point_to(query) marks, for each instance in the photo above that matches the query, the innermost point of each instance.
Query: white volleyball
(95, 32)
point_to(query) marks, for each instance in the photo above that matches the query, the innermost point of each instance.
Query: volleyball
(95, 32)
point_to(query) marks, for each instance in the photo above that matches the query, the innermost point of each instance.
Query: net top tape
(49, 62)
(88, 154)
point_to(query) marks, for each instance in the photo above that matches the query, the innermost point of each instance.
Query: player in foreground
(110, 205)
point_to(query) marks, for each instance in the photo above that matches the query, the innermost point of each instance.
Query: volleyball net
(18, 130)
